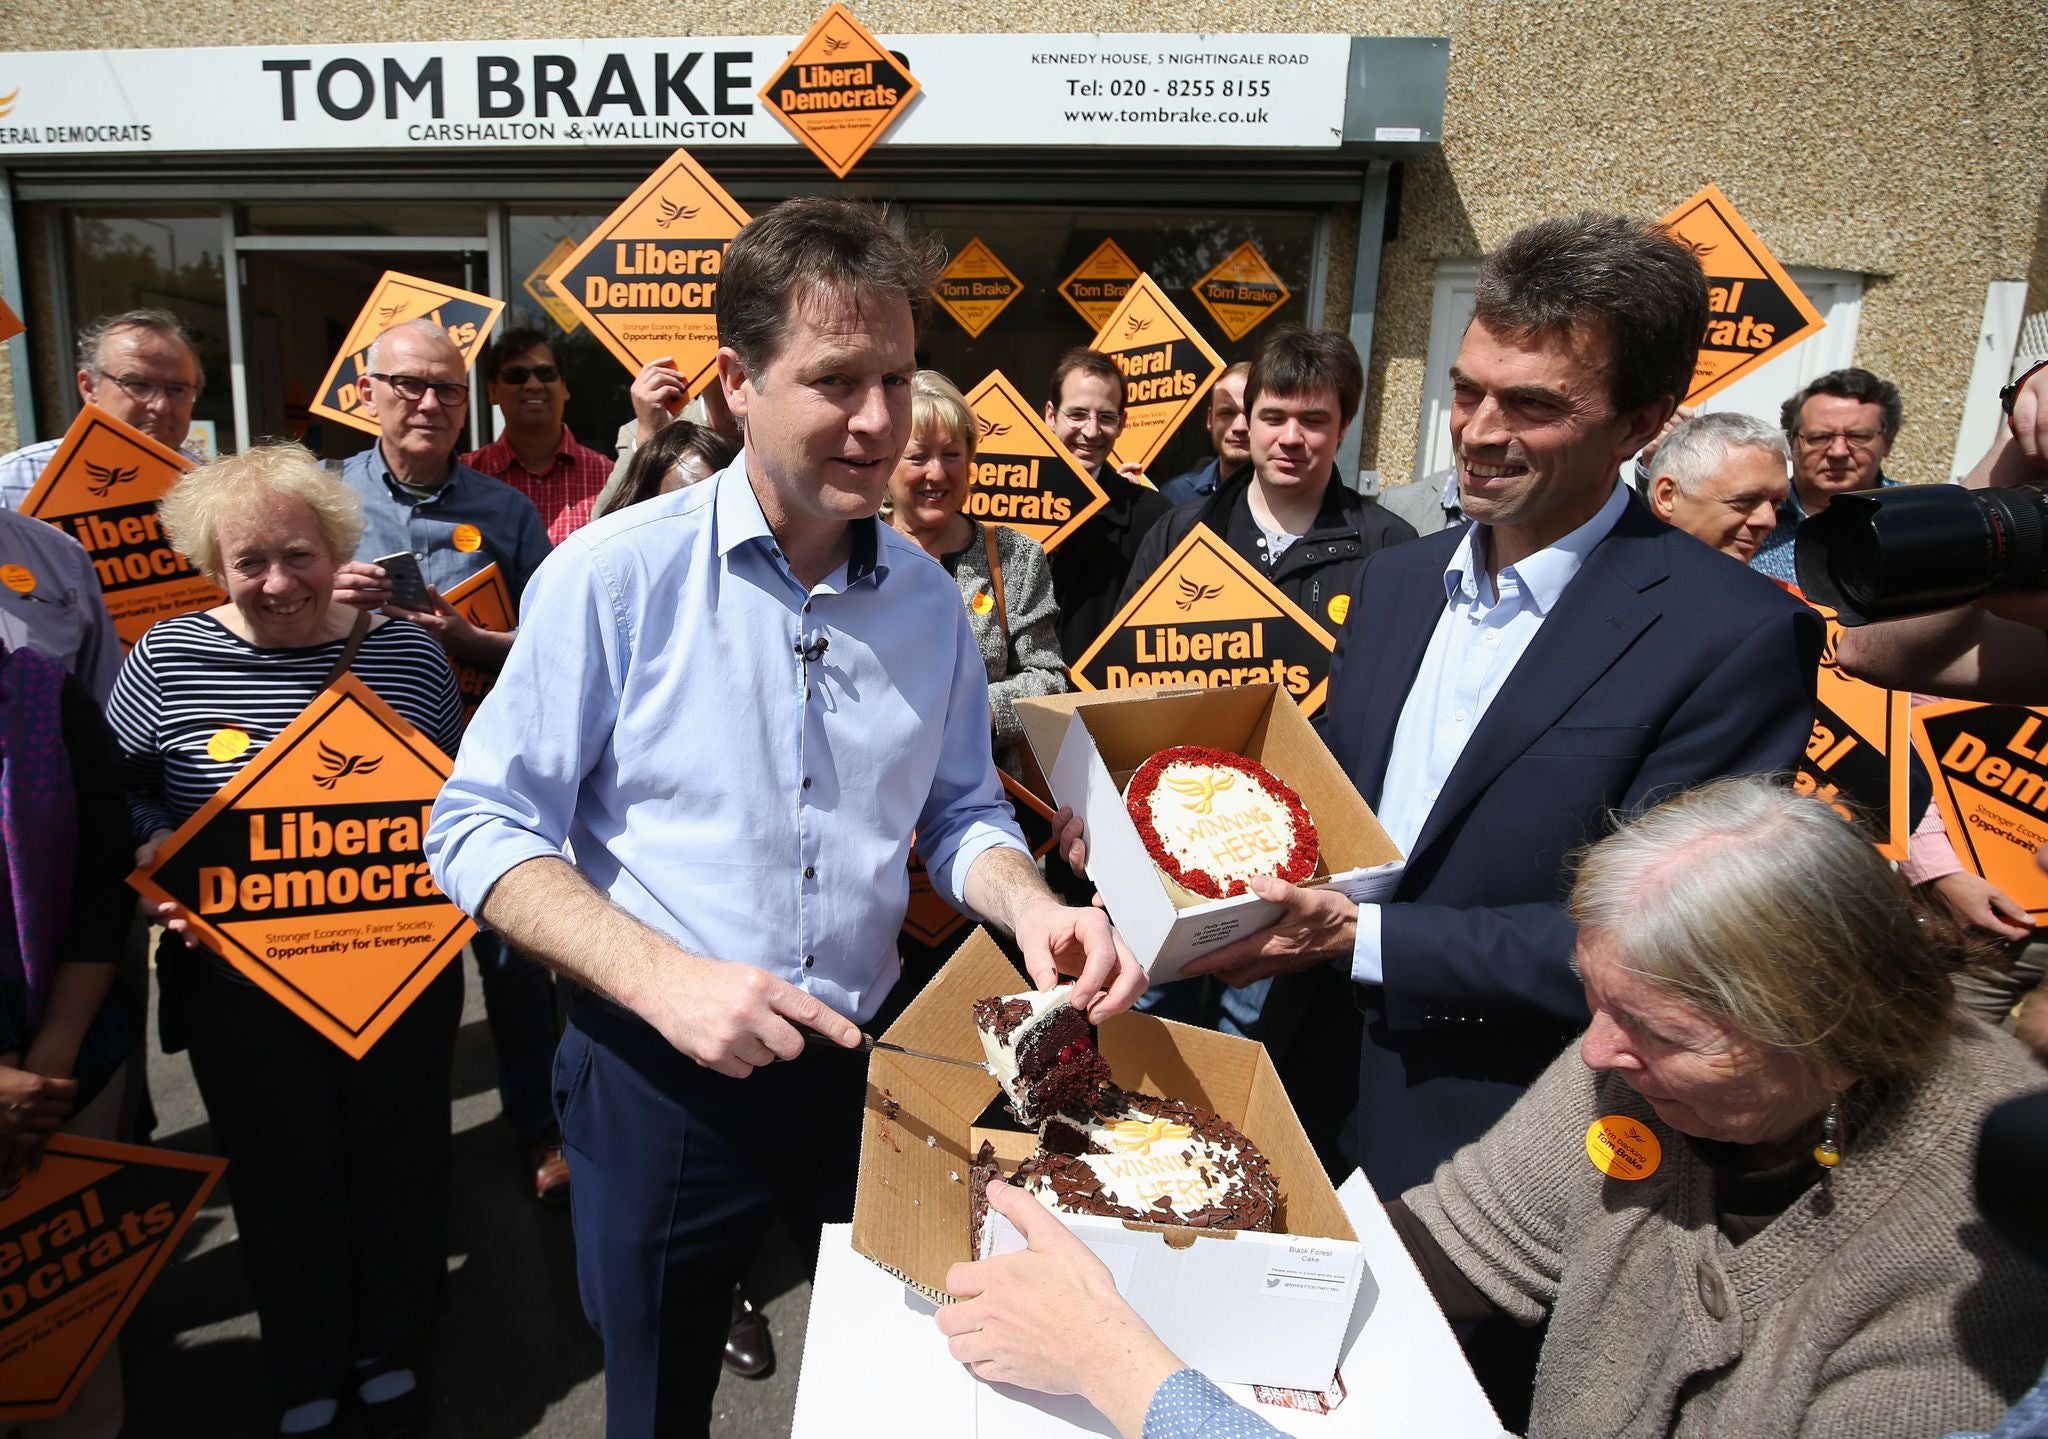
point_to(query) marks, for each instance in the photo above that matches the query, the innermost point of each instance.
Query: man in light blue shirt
(735, 705)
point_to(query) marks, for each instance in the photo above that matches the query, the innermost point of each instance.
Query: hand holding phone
(408, 585)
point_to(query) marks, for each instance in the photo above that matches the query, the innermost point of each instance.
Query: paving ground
(513, 1355)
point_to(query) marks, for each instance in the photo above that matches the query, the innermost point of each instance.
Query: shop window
(326, 220)
(598, 383)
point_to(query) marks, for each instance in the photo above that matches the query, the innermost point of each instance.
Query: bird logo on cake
(1137, 1136)
(1202, 786)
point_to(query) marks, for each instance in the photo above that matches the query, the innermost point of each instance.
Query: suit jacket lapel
(1407, 618)
(1600, 614)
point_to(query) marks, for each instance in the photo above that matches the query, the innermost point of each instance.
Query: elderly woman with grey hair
(340, 1165)
(1742, 1201)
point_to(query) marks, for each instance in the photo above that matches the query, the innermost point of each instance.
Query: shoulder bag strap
(348, 651)
(995, 580)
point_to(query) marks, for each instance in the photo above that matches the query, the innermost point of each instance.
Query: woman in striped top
(338, 1167)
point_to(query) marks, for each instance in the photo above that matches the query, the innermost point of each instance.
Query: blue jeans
(519, 1006)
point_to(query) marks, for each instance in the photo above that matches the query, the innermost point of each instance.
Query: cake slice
(983, 1172)
(1161, 1160)
(1041, 1050)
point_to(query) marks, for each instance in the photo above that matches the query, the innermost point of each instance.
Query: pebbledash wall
(1893, 150)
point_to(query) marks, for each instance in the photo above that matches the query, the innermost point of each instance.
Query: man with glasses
(138, 366)
(1841, 428)
(1086, 413)
(537, 455)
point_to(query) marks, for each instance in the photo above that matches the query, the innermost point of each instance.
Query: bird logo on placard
(389, 313)
(7, 102)
(672, 212)
(1135, 326)
(105, 477)
(1699, 248)
(833, 44)
(990, 429)
(341, 766)
(1193, 593)
(1203, 787)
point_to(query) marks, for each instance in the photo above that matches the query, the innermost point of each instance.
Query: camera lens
(1883, 554)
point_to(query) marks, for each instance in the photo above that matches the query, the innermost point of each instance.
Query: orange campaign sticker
(1990, 768)
(1023, 476)
(19, 578)
(1242, 291)
(1623, 1148)
(839, 90)
(976, 287)
(81, 1241)
(10, 323)
(101, 488)
(1754, 311)
(305, 872)
(1207, 617)
(397, 300)
(982, 602)
(646, 279)
(930, 921)
(1099, 283)
(536, 286)
(485, 601)
(467, 538)
(1167, 369)
(1856, 755)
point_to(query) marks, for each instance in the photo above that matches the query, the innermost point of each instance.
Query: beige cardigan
(1877, 1304)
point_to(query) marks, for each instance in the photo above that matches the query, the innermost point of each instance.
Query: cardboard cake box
(1242, 1307)
(1090, 745)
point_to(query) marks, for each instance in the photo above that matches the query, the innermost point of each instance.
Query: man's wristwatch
(2011, 392)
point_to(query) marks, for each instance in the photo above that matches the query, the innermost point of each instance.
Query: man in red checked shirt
(537, 455)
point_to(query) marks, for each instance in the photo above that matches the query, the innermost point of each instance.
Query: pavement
(513, 1354)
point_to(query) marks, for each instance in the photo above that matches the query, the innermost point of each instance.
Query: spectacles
(1104, 419)
(516, 374)
(147, 392)
(1825, 439)
(412, 389)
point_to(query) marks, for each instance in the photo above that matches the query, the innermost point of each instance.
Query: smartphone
(408, 585)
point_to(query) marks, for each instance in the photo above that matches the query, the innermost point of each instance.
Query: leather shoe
(550, 1170)
(749, 1352)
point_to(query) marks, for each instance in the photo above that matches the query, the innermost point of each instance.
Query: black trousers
(338, 1169)
(679, 1173)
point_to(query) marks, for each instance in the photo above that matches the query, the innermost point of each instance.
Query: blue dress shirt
(1480, 637)
(658, 716)
(510, 528)
(1188, 1406)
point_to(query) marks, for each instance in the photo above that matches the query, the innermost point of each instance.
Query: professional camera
(1883, 554)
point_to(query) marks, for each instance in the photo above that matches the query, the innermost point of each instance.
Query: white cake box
(1089, 746)
(1244, 1308)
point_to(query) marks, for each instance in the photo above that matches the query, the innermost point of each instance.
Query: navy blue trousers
(679, 1173)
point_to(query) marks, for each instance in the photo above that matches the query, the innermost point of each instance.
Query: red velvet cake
(1211, 820)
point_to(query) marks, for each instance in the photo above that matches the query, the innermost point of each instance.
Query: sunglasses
(516, 374)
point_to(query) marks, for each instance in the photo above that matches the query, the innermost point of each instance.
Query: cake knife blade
(869, 1042)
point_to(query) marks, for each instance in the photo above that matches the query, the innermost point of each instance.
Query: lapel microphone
(814, 651)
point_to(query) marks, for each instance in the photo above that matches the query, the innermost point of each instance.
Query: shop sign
(1100, 282)
(1754, 311)
(485, 601)
(839, 90)
(536, 286)
(1167, 368)
(646, 280)
(101, 488)
(976, 287)
(81, 1241)
(396, 300)
(930, 920)
(1207, 617)
(1023, 476)
(1241, 292)
(306, 871)
(1856, 755)
(1990, 768)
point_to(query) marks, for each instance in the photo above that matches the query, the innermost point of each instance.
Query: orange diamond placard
(1100, 282)
(305, 872)
(646, 279)
(536, 286)
(81, 1241)
(1207, 617)
(930, 920)
(101, 488)
(1167, 367)
(839, 90)
(1991, 781)
(485, 600)
(1754, 311)
(1023, 475)
(976, 287)
(10, 323)
(1241, 292)
(396, 299)
(1856, 755)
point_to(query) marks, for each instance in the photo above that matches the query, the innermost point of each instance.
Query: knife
(869, 1042)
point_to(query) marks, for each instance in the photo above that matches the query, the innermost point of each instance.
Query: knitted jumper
(1030, 664)
(1877, 1304)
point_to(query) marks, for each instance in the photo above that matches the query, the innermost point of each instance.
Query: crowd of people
(764, 644)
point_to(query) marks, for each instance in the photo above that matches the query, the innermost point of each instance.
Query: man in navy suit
(1505, 689)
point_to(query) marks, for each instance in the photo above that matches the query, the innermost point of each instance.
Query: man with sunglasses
(140, 367)
(537, 455)
(1841, 428)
